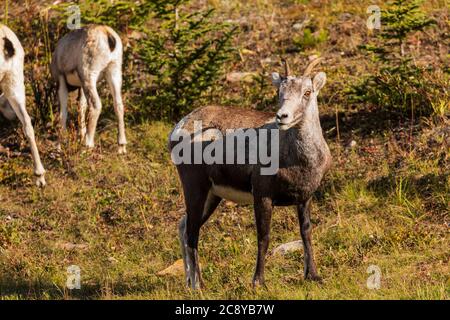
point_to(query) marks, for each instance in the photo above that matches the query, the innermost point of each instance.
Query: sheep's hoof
(196, 284)
(122, 149)
(40, 181)
(258, 283)
(314, 277)
(90, 146)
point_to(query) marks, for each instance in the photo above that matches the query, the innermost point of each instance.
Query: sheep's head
(296, 95)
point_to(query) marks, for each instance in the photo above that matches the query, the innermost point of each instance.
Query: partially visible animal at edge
(304, 158)
(81, 58)
(12, 93)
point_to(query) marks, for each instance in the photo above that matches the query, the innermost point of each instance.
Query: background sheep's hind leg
(82, 114)
(95, 107)
(114, 78)
(63, 96)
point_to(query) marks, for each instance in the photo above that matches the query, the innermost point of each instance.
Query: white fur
(81, 61)
(13, 99)
(289, 115)
(231, 194)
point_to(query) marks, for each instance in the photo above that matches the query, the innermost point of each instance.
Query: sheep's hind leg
(95, 107)
(82, 114)
(63, 98)
(63, 95)
(114, 78)
(210, 206)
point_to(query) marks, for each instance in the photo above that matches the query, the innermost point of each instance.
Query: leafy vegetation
(398, 83)
(185, 58)
(309, 39)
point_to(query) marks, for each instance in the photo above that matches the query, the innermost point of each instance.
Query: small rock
(248, 52)
(113, 260)
(136, 35)
(69, 246)
(297, 26)
(241, 76)
(288, 247)
(175, 269)
(352, 144)
(266, 60)
(345, 16)
(300, 25)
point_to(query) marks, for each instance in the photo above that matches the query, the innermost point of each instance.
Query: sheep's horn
(287, 71)
(311, 66)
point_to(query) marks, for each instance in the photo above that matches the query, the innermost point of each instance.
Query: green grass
(124, 211)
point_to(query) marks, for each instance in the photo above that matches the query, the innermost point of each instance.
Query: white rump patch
(232, 194)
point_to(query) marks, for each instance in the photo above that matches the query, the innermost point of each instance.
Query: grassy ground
(116, 217)
(384, 203)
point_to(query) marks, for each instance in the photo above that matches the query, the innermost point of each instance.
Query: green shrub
(185, 54)
(310, 39)
(398, 83)
(120, 15)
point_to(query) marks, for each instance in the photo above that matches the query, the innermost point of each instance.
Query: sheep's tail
(112, 42)
(8, 48)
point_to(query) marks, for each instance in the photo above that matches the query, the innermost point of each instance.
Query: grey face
(296, 95)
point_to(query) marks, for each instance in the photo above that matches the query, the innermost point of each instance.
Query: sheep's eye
(308, 93)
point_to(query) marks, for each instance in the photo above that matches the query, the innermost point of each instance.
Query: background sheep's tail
(112, 42)
(8, 48)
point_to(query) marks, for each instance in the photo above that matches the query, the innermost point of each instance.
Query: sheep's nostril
(282, 116)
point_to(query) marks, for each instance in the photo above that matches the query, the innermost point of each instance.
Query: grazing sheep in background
(12, 87)
(304, 158)
(80, 59)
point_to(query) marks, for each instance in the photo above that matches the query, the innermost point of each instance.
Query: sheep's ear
(319, 81)
(276, 79)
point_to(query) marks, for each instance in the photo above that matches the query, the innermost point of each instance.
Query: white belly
(231, 194)
(73, 79)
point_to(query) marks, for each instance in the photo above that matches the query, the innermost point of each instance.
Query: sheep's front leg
(95, 107)
(16, 98)
(263, 215)
(114, 78)
(303, 211)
